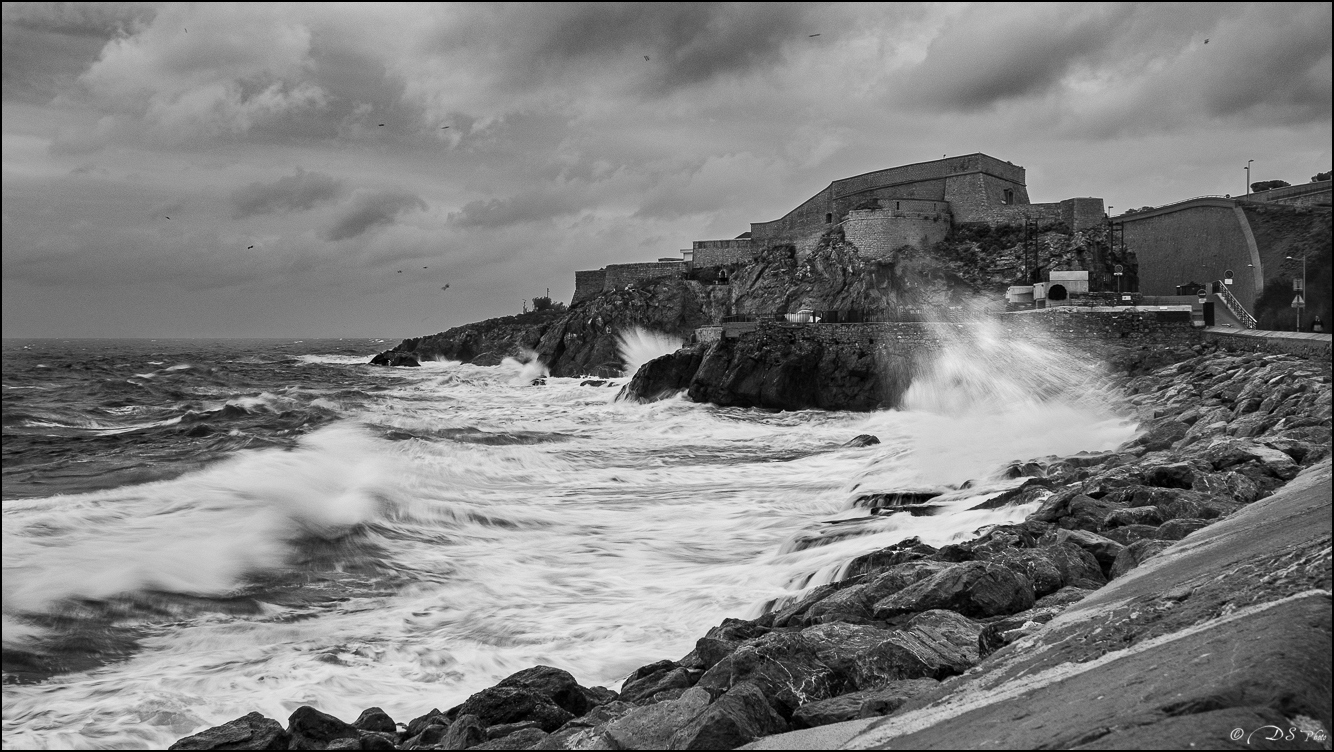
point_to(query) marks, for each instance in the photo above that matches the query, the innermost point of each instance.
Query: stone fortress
(879, 212)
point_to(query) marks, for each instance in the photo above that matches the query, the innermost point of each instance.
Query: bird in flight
(168, 217)
(445, 128)
(249, 247)
(381, 125)
(814, 36)
(423, 267)
(646, 57)
(400, 271)
(446, 287)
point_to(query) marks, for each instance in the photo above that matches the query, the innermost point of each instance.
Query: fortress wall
(1082, 213)
(587, 284)
(708, 253)
(1015, 215)
(1195, 243)
(972, 195)
(620, 275)
(877, 233)
(1306, 194)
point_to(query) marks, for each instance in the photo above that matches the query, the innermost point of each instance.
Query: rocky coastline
(1220, 432)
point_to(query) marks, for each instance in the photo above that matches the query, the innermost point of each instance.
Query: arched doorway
(1057, 292)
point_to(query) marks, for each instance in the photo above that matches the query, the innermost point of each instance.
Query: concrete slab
(832, 736)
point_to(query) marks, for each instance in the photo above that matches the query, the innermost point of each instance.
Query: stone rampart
(712, 253)
(877, 233)
(587, 284)
(620, 275)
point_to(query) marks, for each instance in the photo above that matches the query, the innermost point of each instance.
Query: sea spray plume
(638, 346)
(988, 396)
(525, 368)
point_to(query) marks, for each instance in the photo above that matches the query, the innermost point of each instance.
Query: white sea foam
(525, 526)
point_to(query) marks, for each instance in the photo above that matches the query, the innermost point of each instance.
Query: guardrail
(1233, 304)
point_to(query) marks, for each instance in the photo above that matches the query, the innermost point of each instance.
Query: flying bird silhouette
(423, 267)
(646, 57)
(446, 287)
(1206, 41)
(168, 217)
(400, 271)
(381, 125)
(814, 36)
(445, 128)
(249, 247)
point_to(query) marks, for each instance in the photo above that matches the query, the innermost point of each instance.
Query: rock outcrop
(582, 341)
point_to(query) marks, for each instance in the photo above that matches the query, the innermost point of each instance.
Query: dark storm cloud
(47, 45)
(530, 206)
(368, 210)
(685, 43)
(1004, 54)
(293, 193)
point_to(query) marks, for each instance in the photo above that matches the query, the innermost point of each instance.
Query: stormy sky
(264, 170)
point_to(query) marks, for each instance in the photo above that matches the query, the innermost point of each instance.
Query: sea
(198, 529)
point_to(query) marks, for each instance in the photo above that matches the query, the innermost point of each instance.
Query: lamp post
(1301, 292)
(1248, 177)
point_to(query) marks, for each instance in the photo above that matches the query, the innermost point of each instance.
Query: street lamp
(1248, 177)
(1298, 301)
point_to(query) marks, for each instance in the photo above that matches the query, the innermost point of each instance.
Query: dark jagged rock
(1132, 516)
(1127, 534)
(910, 549)
(308, 728)
(251, 731)
(663, 376)
(1174, 530)
(863, 704)
(776, 368)
(740, 716)
(465, 732)
(1133, 555)
(786, 668)
(650, 680)
(865, 439)
(652, 726)
(392, 358)
(512, 704)
(556, 684)
(525, 739)
(432, 718)
(375, 719)
(1103, 549)
(972, 588)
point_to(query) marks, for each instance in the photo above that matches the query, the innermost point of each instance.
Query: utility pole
(1248, 177)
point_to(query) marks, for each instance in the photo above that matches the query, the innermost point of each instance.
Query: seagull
(249, 247)
(445, 128)
(400, 271)
(446, 287)
(168, 217)
(814, 36)
(1206, 41)
(423, 267)
(381, 125)
(646, 57)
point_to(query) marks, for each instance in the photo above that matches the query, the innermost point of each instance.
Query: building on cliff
(878, 212)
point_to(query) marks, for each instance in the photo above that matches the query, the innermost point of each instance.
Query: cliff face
(583, 340)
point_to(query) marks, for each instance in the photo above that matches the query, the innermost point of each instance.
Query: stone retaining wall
(1312, 346)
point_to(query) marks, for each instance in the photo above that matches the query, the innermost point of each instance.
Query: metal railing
(1233, 304)
(844, 316)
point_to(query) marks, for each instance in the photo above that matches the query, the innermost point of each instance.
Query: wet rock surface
(911, 623)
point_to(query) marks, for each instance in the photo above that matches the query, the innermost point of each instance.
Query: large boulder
(496, 705)
(740, 716)
(664, 376)
(786, 667)
(393, 358)
(1135, 554)
(647, 681)
(652, 726)
(308, 728)
(556, 684)
(251, 731)
(974, 588)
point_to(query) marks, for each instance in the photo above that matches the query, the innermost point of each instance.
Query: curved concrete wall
(877, 233)
(1194, 241)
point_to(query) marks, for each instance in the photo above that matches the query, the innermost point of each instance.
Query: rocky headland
(1219, 571)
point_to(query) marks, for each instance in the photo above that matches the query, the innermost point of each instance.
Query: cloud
(371, 209)
(299, 192)
(529, 206)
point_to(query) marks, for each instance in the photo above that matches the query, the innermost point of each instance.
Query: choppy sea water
(194, 530)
